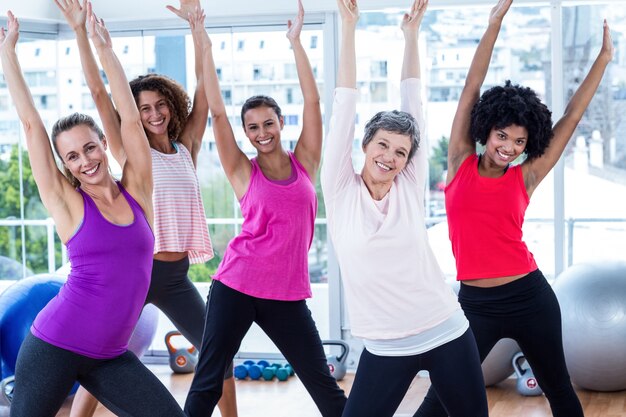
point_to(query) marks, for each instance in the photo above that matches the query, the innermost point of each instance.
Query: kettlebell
(526, 382)
(337, 364)
(182, 360)
(6, 390)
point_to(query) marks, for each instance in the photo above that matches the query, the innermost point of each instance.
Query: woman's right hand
(74, 13)
(349, 11)
(97, 31)
(9, 36)
(499, 11)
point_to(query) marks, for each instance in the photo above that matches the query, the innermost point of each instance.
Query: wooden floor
(289, 399)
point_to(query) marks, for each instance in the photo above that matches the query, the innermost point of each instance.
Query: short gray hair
(394, 121)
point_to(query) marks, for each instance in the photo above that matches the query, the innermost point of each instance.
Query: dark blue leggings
(44, 375)
(382, 381)
(288, 324)
(527, 311)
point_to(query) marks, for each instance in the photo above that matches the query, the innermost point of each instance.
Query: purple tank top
(269, 258)
(96, 310)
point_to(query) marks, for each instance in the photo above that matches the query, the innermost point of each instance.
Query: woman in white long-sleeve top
(397, 299)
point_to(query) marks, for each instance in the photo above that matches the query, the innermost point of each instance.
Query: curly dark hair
(512, 104)
(177, 99)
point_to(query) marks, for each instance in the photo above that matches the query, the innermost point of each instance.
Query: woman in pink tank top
(47, 366)
(174, 133)
(263, 277)
(502, 292)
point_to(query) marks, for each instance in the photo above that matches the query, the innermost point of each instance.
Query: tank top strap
(298, 166)
(134, 205)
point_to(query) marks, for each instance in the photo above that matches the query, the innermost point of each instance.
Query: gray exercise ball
(593, 308)
(498, 365)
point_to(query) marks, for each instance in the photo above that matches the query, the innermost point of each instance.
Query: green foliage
(438, 162)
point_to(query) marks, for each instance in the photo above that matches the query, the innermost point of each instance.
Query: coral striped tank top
(179, 219)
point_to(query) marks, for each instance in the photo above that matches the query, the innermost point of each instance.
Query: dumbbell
(283, 373)
(270, 371)
(241, 371)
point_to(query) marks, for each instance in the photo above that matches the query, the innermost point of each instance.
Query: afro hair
(512, 104)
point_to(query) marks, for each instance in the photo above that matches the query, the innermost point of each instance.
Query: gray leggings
(174, 294)
(45, 374)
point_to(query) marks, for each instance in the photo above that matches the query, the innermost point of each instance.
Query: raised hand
(74, 13)
(349, 11)
(186, 8)
(499, 11)
(411, 21)
(608, 49)
(9, 36)
(295, 28)
(97, 31)
(196, 24)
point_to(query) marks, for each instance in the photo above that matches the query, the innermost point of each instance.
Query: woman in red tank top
(510, 121)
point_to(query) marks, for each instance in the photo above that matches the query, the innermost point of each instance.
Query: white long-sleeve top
(393, 284)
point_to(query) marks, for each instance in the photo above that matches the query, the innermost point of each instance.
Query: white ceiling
(147, 10)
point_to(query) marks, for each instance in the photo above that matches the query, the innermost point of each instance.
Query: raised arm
(337, 171)
(137, 171)
(461, 143)
(309, 148)
(536, 169)
(195, 125)
(236, 164)
(55, 191)
(411, 88)
(76, 16)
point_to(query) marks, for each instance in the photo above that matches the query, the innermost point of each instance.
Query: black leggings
(288, 324)
(172, 292)
(382, 381)
(45, 374)
(527, 311)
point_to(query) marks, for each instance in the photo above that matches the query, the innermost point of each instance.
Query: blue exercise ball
(593, 308)
(19, 305)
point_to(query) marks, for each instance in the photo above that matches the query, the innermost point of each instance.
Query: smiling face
(385, 156)
(155, 113)
(505, 145)
(263, 127)
(83, 154)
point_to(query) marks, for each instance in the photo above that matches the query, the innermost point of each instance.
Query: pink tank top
(179, 218)
(485, 219)
(269, 258)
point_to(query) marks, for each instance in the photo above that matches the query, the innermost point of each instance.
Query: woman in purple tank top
(55, 353)
(174, 128)
(263, 277)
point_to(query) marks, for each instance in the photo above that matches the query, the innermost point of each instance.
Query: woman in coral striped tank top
(263, 277)
(181, 234)
(502, 292)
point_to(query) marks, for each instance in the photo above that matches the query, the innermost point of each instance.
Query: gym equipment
(6, 390)
(269, 372)
(593, 310)
(526, 382)
(182, 360)
(283, 373)
(145, 330)
(337, 364)
(12, 269)
(497, 365)
(19, 305)
(241, 371)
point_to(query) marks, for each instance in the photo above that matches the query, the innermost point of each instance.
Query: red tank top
(485, 218)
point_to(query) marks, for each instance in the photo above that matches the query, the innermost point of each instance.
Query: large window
(595, 159)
